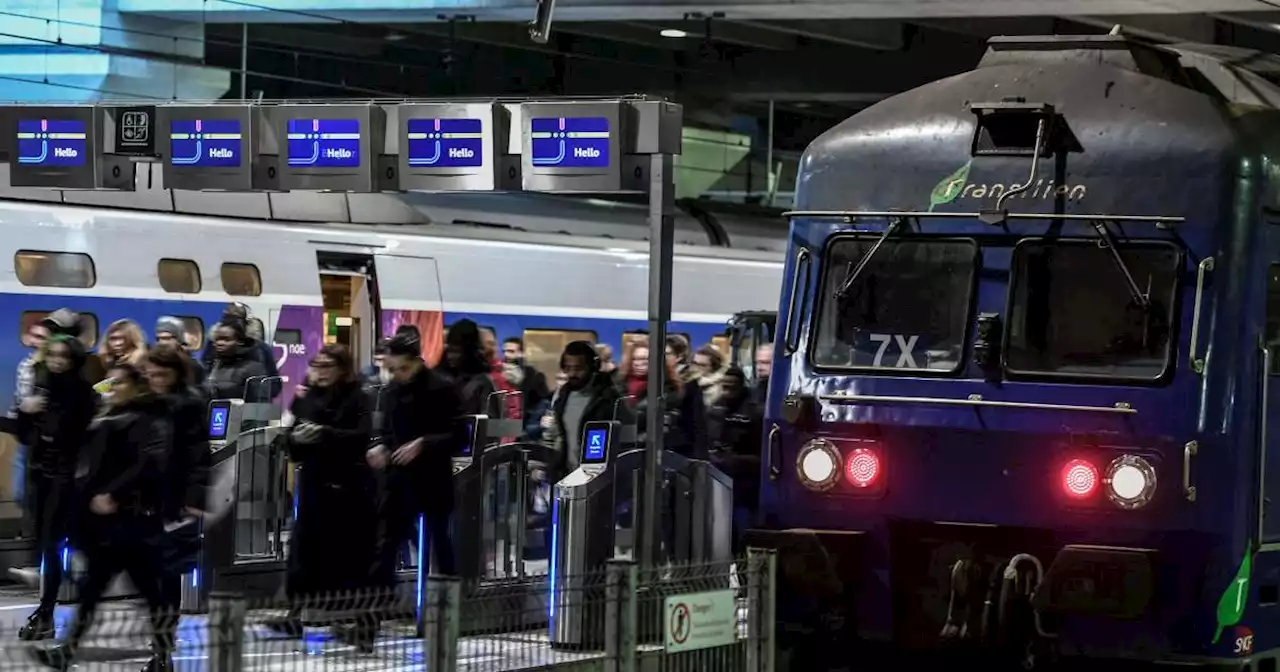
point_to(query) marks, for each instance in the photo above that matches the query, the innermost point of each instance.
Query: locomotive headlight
(1130, 481)
(818, 464)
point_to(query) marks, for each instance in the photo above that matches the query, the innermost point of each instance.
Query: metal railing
(698, 618)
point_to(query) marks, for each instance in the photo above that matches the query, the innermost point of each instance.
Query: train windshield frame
(1091, 328)
(907, 313)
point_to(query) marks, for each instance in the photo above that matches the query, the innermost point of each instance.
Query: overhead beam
(880, 35)
(650, 34)
(406, 11)
(1159, 27)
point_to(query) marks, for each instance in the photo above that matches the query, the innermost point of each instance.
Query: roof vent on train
(1115, 50)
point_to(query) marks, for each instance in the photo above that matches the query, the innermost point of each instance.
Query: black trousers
(398, 515)
(134, 545)
(50, 498)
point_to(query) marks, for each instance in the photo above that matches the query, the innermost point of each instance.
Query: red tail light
(861, 468)
(1079, 479)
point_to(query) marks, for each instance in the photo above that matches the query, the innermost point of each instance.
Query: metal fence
(689, 618)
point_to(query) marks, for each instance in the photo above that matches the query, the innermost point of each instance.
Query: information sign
(570, 142)
(445, 143)
(52, 142)
(214, 147)
(135, 131)
(323, 143)
(205, 143)
(700, 621)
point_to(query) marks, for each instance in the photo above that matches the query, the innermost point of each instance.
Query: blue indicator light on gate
(445, 143)
(323, 143)
(570, 142)
(52, 142)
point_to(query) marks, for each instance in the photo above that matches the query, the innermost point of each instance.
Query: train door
(408, 294)
(1269, 462)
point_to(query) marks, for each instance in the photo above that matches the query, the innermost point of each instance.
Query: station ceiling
(725, 70)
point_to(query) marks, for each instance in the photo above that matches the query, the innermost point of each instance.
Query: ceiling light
(673, 32)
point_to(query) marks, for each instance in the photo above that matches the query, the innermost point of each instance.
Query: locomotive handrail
(1197, 363)
(1119, 407)
(854, 214)
(794, 320)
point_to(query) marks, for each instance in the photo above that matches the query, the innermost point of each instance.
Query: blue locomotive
(1025, 401)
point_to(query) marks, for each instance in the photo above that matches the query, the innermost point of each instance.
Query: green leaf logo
(1235, 597)
(949, 188)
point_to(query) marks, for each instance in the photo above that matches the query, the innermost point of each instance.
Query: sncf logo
(1244, 641)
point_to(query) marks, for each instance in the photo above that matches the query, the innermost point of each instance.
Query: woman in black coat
(120, 485)
(54, 420)
(234, 365)
(171, 373)
(331, 547)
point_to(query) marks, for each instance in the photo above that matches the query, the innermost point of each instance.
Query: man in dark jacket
(736, 421)
(414, 446)
(588, 395)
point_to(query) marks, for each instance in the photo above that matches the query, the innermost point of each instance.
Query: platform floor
(112, 646)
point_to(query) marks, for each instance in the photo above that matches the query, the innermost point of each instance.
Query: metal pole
(661, 233)
(768, 156)
(244, 64)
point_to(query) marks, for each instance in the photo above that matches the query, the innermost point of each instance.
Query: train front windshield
(907, 309)
(1074, 314)
(1069, 310)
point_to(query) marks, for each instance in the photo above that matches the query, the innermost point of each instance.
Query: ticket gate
(242, 540)
(696, 500)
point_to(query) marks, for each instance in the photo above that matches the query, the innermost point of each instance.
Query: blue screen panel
(324, 143)
(570, 142)
(52, 142)
(218, 418)
(595, 446)
(468, 439)
(207, 143)
(446, 143)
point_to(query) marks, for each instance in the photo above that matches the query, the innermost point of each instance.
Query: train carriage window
(1272, 335)
(631, 337)
(906, 312)
(179, 276)
(542, 347)
(723, 346)
(241, 279)
(36, 268)
(287, 337)
(193, 329)
(1072, 312)
(30, 318)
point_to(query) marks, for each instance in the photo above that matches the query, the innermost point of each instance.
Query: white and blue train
(545, 270)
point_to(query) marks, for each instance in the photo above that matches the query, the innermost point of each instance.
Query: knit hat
(173, 327)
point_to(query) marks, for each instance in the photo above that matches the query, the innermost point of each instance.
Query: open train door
(748, 331)
(407, 292)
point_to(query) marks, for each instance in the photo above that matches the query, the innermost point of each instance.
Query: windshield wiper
(1143, 300)
(852, 277)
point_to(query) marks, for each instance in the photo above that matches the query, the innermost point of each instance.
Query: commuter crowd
(117, 460)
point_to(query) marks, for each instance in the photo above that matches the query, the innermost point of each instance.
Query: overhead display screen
(205, 143)
(323, 143)
(570, 142)
(52, 142)
(445, 143)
